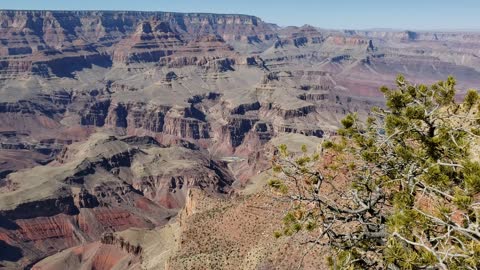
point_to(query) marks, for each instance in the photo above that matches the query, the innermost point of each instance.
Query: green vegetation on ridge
(400, 190)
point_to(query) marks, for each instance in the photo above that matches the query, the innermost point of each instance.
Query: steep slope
(104, 184)
(188, 100)
(362, 60)
(210, 233)
(228, 83)
(44, 42)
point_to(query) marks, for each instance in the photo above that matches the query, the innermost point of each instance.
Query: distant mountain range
(118, 119)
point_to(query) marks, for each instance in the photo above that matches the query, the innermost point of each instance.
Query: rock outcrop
(188, 101)
(204, 79)
(105, 184)
(42, 42)
(209, 233)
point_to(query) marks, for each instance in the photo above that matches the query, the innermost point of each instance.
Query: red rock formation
(105, 184)
(188, 88)
(39, 42)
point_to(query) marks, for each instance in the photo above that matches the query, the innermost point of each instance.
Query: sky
(331, 14)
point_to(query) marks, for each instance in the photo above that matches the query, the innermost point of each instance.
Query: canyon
(133, 140)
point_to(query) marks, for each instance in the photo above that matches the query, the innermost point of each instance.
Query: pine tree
(400, 190)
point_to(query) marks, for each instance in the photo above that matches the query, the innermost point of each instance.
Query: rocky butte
(139, 140)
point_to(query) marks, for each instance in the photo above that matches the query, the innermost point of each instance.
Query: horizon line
(393, 29)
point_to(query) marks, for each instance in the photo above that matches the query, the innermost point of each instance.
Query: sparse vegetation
(400, 190)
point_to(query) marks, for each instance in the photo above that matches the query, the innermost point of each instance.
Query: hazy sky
(345, 14)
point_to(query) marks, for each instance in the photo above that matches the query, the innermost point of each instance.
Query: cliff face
(191, 100)
(43, 42)
(205, 78)
(210, 233)
(104, 184)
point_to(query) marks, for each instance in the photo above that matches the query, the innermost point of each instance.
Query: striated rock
(83, 199)
(148, 107)
(308, 132)
(96, 114)
(237, 128)
(299, 36)
(150, 42)
(186, 128)
(220, 65)
(179, 77)
(39, 42)
(313, 97)
(104, 184)
(94, 256)
(186, 123)
(110, 239)
(245, 108)
(296, 112)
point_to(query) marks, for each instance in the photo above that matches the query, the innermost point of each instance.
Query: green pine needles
(399, 190)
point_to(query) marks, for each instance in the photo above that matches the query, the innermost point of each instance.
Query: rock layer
(188, 100)
(105, 184)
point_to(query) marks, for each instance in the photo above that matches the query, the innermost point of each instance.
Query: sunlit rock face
(108, 119)
(104, 184)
